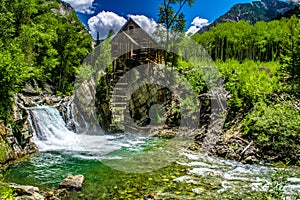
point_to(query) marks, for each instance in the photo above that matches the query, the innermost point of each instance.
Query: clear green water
(191, 176)
(134, 166)
(48, 169)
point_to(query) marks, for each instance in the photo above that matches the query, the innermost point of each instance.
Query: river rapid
(114, 167)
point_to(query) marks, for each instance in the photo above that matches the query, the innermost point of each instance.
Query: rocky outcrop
(164, 132)
(72, 182)
(64, 8)
(85, 106)
(236, 148)
(15, 142)
(230, 145)
(26, 192)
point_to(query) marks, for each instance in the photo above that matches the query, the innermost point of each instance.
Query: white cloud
(197, 24)
(200, 22)
(149, 25)
(193, 29)
(83, 6)
(106, 21)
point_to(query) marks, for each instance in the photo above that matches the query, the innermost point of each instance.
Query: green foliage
(38, 42)
(274, 126)
(241, 40)
(72, 47)
(290, 55)
(170, 15)
(5, 192)
(3, 152)
(13, 71)
(193, 75)
(277, 40)
(276, 130)
(249, 82)
(170, 18)
(259, 62)
(98, 61)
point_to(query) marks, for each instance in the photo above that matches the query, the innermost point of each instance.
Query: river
(136, 166)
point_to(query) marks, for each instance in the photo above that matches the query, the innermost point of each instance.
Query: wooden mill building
(130, 47)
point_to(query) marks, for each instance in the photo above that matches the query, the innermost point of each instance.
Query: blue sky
(202, 9)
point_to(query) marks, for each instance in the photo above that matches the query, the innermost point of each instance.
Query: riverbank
(194, 174)
(229, 145)
(191, 176)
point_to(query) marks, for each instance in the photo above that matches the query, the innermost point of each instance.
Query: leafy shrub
(247, 83)
(193, 75)
(5, 192)
(3, 154)
(276, 130)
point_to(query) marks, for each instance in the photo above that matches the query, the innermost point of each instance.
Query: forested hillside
(261, 67)
(39, 40)
(265, 10)
(263, 41)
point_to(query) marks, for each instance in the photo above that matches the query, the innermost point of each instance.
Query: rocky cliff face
(15, 138)
(290, 13)
(264, 10)
(64, 8)
(15, 144)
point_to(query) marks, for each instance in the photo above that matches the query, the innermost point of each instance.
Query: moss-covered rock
(3, 153)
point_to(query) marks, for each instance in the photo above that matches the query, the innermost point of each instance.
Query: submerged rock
(72, 182)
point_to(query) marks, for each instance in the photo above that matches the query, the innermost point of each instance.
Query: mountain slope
(265, 10)
(290, 13)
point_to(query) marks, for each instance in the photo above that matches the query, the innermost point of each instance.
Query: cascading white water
(51, 134)
(50, 131)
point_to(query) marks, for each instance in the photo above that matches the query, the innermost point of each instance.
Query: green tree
(110, 33)
(39, 41)
(73, 45)
(290, 56)
(6, 20)
(13, 72)
(170, 15)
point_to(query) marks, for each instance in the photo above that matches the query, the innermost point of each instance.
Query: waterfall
(51, 134)
(50, 131)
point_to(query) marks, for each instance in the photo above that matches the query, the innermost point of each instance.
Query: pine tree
(290, 55)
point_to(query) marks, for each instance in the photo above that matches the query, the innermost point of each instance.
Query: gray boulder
(26, 192)
(72, 182)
